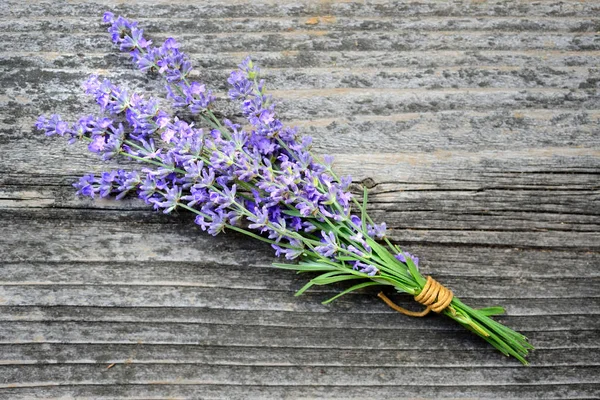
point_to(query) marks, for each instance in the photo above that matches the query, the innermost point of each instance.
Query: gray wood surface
(475, 125)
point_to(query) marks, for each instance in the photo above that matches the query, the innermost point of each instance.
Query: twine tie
(435, 296)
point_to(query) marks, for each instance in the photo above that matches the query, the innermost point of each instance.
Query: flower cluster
(259, 178)
(166, 60)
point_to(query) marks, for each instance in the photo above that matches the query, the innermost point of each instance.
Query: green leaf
(333, 279)
(488, 311)
(306, 267)
(320, 225)
(363, 209)
(346, 258)
(353, 288)
(327, 275)
(303, 289)
(312, 282)
(293, 213)
(386, 258)
(382, 252)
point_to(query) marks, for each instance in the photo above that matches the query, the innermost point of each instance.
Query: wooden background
(475, 124)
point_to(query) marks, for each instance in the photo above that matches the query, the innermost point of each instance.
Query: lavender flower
(377, 231)
(52, 126)
(171, 199)
(87, 186)
(330, 246)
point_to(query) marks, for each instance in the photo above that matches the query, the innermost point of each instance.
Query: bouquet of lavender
(260, 179)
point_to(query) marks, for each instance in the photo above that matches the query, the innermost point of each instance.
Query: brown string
(434, 295)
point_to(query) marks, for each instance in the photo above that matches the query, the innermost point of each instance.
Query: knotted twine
(434, 296)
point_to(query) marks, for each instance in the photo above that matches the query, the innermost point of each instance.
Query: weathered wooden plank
(383, 319)
(318, 59)
(322, 392)
(275, 300)
(166, 390)
(164, 268)
(51, 375)
(309, 8)
(252, 336)
(438, 259)
(333, 77)
(321, 41)
(197, 23)
(125, 354)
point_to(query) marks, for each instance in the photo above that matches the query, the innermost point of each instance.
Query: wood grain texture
(474, 124)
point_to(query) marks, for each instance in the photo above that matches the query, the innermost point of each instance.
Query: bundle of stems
(260, 179)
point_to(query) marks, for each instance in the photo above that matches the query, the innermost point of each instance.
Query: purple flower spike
(52, 126)
(86, 186)
(377, 231)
